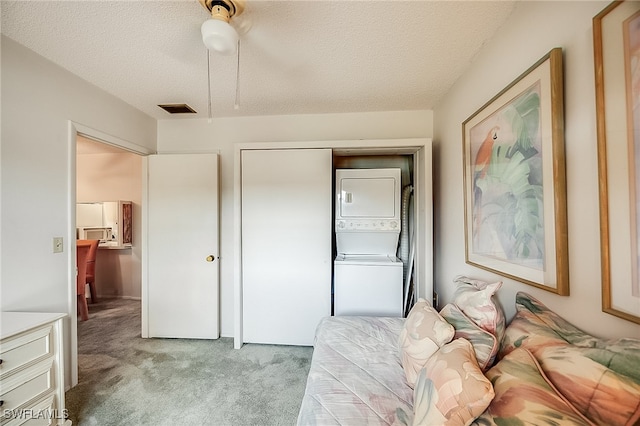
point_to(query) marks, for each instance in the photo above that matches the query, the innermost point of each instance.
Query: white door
(183, 266)
(286, 244)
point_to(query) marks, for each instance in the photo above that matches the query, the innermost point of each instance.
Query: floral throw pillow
(451, 389)
(602, 395)
(536, 327)
(524, 396)
(477, 300)
(484, 343)
(423, 333)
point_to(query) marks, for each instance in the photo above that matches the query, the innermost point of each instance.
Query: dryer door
(368, 194)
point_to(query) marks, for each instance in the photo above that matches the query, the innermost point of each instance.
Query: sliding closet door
(286, 244)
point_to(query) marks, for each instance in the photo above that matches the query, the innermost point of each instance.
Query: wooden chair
(91, 269)
(82, 253)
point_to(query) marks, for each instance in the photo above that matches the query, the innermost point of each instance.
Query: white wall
(222, 133)
(112, 177)
(38, 174)
(532, 31)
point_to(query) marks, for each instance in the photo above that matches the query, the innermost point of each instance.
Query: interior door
(286, 244)
(183, 244)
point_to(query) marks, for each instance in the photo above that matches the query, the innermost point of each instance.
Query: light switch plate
(57, 245)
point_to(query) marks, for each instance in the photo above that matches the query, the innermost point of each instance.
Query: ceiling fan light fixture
(219, 36)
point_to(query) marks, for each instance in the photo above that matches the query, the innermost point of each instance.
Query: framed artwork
(616, 35)
(515, 183)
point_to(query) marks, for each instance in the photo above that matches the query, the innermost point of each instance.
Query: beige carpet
(127, 380)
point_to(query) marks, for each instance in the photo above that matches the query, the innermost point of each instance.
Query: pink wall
(112, 177)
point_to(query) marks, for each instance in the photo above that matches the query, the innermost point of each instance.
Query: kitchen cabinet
(111, 222)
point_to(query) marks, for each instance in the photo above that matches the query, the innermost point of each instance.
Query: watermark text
(30, 414)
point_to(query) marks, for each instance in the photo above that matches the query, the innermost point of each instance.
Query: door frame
(420, 148)
(74, 130)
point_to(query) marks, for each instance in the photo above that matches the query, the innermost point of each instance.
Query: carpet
(127, 380)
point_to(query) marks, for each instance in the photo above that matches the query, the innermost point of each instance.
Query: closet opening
(284, 195)
(374, 232)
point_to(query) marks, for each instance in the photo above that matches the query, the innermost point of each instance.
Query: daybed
(437, 368)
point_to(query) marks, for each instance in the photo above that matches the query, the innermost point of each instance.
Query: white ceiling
(299, 57)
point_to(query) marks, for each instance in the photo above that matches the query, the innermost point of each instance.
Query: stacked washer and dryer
(368, 278)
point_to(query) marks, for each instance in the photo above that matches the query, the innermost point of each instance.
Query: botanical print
(506, 173)
(632, 73)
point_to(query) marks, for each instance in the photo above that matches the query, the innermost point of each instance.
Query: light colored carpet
(127, 380)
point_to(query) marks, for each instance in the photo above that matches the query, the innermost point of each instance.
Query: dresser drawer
(25, 348)
(41, 413)
(26, 385)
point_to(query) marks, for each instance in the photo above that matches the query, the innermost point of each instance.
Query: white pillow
(424, 332)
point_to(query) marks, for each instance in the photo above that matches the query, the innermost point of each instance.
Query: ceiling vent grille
(177, 108)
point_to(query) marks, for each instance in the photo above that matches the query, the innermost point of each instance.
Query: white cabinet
(286, 244)
(31, 369)
(111, 222)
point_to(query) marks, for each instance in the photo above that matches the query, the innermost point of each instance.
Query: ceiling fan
(218, 34)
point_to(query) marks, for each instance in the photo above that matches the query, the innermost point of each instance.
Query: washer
(367, 285)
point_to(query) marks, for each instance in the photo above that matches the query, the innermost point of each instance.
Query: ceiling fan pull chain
(209, 83)
(237, 103)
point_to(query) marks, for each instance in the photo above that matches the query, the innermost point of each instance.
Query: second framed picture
(515, 183)
(616, 32)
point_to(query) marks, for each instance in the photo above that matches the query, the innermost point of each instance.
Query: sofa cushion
(537, 327)
(602, 395)
(424, 332)
(451, 389)
(524, 396)
(484, 343)
(478, 302)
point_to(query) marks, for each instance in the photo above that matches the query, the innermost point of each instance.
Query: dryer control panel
(367, 225)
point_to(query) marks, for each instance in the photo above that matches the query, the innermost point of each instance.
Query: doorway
(111, 169)
(104, 175)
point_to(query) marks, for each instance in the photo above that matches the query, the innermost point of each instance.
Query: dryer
(367, 273)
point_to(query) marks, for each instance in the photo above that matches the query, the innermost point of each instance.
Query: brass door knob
(211, 258)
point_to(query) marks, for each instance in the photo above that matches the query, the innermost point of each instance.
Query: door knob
(211, 258)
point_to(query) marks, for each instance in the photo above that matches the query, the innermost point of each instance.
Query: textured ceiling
(298, 57)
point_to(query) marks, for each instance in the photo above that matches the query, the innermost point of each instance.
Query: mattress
(356, 377)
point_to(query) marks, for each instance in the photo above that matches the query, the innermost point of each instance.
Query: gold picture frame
(616, 36)
(515, 183)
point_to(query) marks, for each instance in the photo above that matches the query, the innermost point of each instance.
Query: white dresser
(31, 369)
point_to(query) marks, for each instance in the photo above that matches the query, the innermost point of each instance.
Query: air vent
(178, 109)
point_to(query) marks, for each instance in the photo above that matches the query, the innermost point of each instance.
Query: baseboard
(120, 297)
